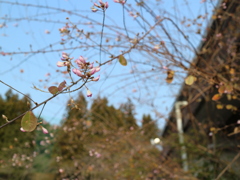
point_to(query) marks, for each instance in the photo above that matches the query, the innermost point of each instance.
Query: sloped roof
(224, 31)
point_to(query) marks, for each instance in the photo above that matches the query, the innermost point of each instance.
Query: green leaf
(61, 86)
(53, 89)
(122, 60)
(29, 122)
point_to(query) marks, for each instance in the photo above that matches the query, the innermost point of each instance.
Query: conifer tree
(16, 147)
(128, 114)
(70, 139)
(149, 127)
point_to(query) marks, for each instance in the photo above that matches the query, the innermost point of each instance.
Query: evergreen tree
(149, 127)
(16, 147)
(70, 139)
(109, 146)
(104, 116)
(128, 114)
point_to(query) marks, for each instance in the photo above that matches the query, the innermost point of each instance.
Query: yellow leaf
(216, 97)
(190, 80)
(170, 75)
(234, 97)
(219, 106)
(122, 60)
(234, 108)
(221, 90)
(214, 17)
(229, 106)
(229, 88)
(232, 71)
(229, 97)
(214, 130)
(235, 131)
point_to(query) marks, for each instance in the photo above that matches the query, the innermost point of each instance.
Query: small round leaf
(216, 97)
(29, 122)
(190, 80)
(53, 89)
(170, 76)
(61, 86)
(122, 60)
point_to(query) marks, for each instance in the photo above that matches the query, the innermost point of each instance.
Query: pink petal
(96, 78)
(82, 59)
(97, 68)
(44, 130)
(90, 66)
(60, 64)
(89, 93)
(77, 72)
(92, 71)
(106, 5)
(21, 129)
(65, 55)
(94, 10)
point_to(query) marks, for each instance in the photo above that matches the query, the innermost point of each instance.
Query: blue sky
(24, 27)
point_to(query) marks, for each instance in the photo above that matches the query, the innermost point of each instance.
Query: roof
(211, 66)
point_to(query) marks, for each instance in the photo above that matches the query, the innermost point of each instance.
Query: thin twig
(42, 110)
(100, 53)
(19, 92)
(228, 166)
(44, 102)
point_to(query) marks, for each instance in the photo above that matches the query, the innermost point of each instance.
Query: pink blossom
(44, 130)
(21, 129)
(90, 66)
(106, 5)
(65, 55)
(165, 67)
(92, 71)
(102, 6)
(120, 1)
(96, 78)
(61, 64)
(101, 3)
(82, 59)
(97, 68)
(81, 62)
(64, 31)
(77, 72)
(94, 9)
(89, 93)
(97, 154)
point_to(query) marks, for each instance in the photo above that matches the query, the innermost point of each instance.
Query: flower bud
(44, 130)
(89, 93)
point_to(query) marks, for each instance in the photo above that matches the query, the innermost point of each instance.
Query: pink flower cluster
(66, 60)
(101, 5)
(120, 1)
(65, 30)
(86, 69)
